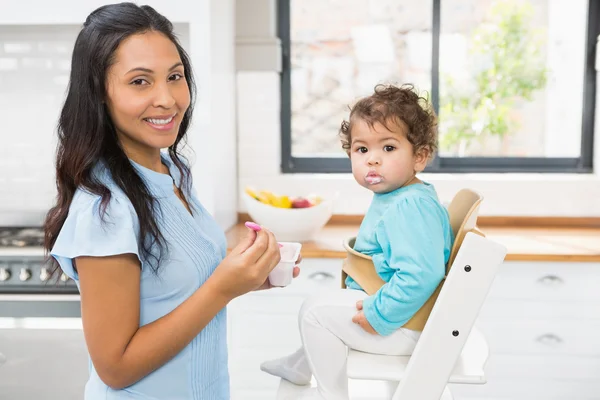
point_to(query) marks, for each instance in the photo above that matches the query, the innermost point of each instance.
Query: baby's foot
(293, 368)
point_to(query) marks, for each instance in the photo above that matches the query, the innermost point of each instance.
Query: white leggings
(327, 331)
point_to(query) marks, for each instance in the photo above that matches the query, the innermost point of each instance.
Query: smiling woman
(148, 259)
(147, 102)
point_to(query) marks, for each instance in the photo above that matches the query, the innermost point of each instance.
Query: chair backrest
(451, 319)
(463, 212)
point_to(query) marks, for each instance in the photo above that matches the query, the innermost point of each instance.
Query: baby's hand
(361, 320)
(359, 305)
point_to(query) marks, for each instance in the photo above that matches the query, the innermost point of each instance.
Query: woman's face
(147, 93)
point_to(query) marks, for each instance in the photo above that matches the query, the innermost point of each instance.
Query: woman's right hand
(248, 264)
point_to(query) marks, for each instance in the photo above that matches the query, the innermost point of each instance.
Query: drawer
(520, 309)
(566, 368)
(316, 274)
(558, 281)
(542, 337)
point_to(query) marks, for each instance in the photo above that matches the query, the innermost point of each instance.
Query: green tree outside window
(512, 70)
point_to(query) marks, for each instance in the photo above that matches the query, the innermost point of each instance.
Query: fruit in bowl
(274, 200)
(290, 218)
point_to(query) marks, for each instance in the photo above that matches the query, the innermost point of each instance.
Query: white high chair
(449, 350)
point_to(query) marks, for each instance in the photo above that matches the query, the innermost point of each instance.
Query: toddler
(390, 136)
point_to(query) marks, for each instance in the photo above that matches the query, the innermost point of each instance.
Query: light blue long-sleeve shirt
(407, 232)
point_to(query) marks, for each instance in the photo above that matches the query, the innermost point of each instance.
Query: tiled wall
(34, 72)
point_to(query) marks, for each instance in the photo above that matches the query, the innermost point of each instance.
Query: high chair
(449, 350)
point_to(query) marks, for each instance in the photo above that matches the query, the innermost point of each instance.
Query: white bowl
(290, 224)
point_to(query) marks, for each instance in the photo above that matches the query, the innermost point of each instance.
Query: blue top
(407, 232)
(196, 245)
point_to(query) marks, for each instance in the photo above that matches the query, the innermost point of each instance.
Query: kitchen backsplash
(35, 63)
(34, 73)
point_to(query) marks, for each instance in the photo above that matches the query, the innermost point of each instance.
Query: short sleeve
(88, 233)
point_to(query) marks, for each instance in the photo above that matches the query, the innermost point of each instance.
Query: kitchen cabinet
(541, 321)
(264, 325)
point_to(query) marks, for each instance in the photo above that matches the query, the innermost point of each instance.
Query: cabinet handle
(551, 280)
(321, 276)
(549, 339)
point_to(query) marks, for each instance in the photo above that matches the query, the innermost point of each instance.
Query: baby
(390, 137)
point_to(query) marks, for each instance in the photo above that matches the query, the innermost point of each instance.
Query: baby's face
(382, 160)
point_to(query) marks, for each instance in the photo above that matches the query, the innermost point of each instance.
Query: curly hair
(402, 106)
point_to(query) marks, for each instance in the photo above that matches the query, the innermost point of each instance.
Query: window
(512, 81)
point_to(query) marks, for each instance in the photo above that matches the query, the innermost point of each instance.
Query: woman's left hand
(267, 284)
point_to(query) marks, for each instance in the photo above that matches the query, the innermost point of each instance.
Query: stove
(23, 269)
(21, 237)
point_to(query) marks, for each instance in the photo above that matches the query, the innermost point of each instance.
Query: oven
(42, 348)
(26, 289)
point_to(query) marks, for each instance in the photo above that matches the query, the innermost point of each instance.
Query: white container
(290, 224)
(282, 274)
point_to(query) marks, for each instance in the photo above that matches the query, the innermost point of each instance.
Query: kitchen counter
(540, 243)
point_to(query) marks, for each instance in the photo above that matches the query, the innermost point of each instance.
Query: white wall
(26, 147)
(215, 171)
(259, 144)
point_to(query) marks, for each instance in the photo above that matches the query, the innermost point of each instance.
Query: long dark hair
(87, 136)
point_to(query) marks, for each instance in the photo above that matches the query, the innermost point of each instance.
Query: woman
(148, 259)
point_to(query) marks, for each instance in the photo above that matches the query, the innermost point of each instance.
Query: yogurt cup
(282, 274)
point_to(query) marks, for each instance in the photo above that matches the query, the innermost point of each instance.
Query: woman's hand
(267, 285)
(248, 265)
(361, 320)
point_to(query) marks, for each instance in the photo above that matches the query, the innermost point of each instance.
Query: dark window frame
(582, 164)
